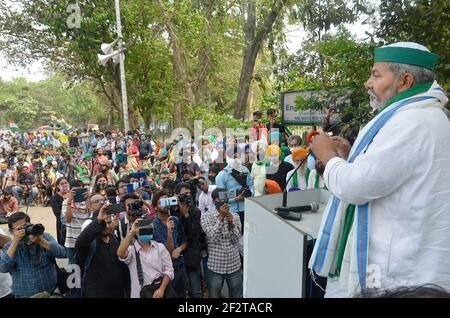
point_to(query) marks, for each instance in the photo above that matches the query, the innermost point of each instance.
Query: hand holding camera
(134, 228)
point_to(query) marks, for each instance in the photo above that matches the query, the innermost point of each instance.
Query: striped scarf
(336, 226)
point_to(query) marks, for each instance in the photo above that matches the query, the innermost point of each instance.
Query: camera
(185, 198)
(247, 192)
(34, 229)
(135, 207)
(167, 202)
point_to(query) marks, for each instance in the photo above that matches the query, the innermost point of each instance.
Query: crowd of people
(193, 244)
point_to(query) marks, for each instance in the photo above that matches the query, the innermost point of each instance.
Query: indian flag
(59, 122)
(13, 126)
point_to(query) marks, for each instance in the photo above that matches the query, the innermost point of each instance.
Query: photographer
(190, 219)
(103, 275)
(134, 208)
(236, 177)
(168, 230)
(223, 230)
(149, 264)
(29, 257)
(26, 183)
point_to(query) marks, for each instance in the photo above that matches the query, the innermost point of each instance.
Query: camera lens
(35, 229)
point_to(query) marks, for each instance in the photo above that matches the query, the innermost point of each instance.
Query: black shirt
(106, 275)
(280, 175)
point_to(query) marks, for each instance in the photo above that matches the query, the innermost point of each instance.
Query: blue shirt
(32, 268)
(226, 181)
(160, 236)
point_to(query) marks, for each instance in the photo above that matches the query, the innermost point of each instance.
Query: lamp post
(118, 57)
(122, 69)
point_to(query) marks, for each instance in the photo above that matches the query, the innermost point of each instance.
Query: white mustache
(372, 95)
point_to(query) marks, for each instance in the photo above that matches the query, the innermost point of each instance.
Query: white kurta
(406, 174)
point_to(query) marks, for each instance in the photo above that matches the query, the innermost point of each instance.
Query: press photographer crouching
(223, 230)
(30, 257)
(148, 261)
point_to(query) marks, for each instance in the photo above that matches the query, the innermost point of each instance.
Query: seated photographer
(190, 219)
(26, 183)
(8, 204)
(103, 275)
(149, 263)
(169, 231)
(29, 257)
(236, 177)
(223, 230)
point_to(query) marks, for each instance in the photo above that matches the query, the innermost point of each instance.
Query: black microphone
(345, 119)
(313, 207)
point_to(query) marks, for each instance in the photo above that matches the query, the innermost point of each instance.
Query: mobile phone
(145, 226)
(112, 200)
(79, 195)
(115, 208)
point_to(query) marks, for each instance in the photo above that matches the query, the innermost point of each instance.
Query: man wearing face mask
(29, 258)
(103, 275)
(237, 178)
(150, 258)
(145, 148)
(223, 230)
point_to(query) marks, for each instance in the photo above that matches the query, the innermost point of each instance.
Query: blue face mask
(218, 205)
(145, 238)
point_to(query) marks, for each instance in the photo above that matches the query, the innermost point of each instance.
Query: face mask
(64, 188)
(25, 239)
(218, 205)
(102, 185)
(135, 185)
(142, 138)
(145, 238)
(80, 205)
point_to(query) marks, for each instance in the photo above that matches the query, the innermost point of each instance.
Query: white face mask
(135, 185)
(80, 205)
(234, 163)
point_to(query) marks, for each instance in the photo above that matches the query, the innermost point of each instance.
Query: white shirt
(5, 280)
(205, 203)
(405, 172)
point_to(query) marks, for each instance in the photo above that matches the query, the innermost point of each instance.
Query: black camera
(247, 192)
(185, 198)
(135, 207)
(34, 229)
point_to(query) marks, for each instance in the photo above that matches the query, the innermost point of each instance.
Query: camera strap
(140, 273)
(239, 178)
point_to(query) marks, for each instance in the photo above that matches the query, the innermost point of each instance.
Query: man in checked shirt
(223, 230)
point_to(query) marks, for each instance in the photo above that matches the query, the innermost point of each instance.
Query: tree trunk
(253, 45)
(180, 64)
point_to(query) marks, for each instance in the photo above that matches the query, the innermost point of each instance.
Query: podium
(275, 249)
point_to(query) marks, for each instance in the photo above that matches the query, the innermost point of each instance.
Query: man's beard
(375, 101)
